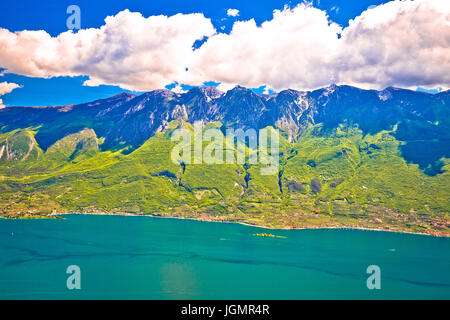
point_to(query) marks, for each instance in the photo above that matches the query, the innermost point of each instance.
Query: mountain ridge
(239, 92)
(127, 119)
(207, 88)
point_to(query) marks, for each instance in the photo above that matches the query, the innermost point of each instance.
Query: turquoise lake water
(150, 258)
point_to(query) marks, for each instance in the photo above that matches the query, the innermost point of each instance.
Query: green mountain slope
(336, 177)
(348, 158)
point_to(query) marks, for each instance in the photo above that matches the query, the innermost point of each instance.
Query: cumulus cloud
(233, 12)
(400, 43)
(129, 50)
(6, 87)
(291, 50)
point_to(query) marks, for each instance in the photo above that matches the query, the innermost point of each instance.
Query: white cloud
(267, 90)
(128, 50)
(6, 87)
(178, 89)
(225, 86)
(233, 12)
(291, 50)
(335, 9)
(400, 43)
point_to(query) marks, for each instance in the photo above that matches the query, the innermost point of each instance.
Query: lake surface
(150, 258)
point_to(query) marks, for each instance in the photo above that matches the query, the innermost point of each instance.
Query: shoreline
(250, 225)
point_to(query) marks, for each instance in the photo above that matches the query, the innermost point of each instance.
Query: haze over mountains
(342, 151)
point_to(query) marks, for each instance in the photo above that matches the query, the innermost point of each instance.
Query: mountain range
(349, 158)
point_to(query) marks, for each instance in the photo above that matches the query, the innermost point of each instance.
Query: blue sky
(51, 16)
